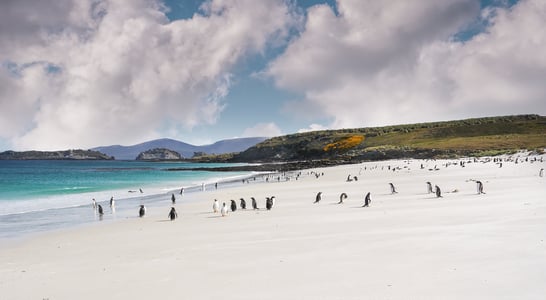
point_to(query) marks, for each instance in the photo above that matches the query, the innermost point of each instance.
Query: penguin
(215, 206)
(480, 187)
(142, 211)
(172, 214)
(94, 204)
(233, 205)
(101, 212)
(173, 199)
(429, 187)
(112, 202)
(224, 210)
(393, 190)
(342, 197)
(268, 203)
(349, 179)
(367, 200)
(243, 203)
(318, 197)
(541, 173)
(273, 201)
(438, 191)
(254, 204)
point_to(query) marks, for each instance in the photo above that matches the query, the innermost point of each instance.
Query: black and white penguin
(254, 204)
(541, 173)
(268, 203)
(273, 201)
(438, 191)
(429, 187)
(224, 210)
(393, 189)
(216, 206)
(173, 214)
(367, 200)
(342, 197)
(318, 197)
(479, 186)
(142, 211)
(94, 204)
(233, 205)
(100, 210)
(173, 199)
(112, 202)
(243, 203)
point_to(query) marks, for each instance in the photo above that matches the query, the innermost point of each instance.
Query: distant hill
(470, 137)
(186, 150)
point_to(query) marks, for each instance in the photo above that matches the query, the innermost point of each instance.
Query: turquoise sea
(44, 195)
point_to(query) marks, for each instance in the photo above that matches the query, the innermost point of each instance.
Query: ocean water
(37, 196)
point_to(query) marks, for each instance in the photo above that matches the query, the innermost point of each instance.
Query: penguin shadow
(214, 217)
(161, 221)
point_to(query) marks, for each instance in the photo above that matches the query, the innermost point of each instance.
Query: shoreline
(404, 245)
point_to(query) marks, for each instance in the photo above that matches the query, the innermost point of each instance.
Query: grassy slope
(474, 136)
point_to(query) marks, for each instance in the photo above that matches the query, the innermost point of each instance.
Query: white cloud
(389, 62)
(313, 127)
(262, 130)
(117, 71)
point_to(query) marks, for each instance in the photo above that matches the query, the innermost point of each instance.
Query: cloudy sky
(86, 73)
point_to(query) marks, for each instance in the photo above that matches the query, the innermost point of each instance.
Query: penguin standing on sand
(268, 203)
(112, 202)
(254, 204)
(233, 205)
(142, 211)
(367, 200)
(224, 210)
(94, 204)
(429, 187)
(101, 211)
(342, 197)
(243, 203)
(318, 197)
(173, 214)
(173, 199)
(480, 187)
(273, 201)
(215, 206)
(393, 189)
(438, 192)
(541, 173)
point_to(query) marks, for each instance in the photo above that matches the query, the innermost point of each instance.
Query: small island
(159, 154)
(55, 155)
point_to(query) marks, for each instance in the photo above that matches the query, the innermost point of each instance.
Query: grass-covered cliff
(474, 137)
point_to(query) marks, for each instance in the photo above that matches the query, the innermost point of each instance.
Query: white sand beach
(408, 245)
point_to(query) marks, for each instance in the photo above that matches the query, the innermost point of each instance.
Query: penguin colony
(224, 209)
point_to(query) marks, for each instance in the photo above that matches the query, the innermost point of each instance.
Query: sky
(87, 73)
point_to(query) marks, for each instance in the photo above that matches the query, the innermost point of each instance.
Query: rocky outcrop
(159, 154)
(55, 155)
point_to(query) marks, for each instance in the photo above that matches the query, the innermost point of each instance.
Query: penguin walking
(480, 187)
(173, 199)
(215, 206)
(342, 197)
(224, 210)
(268, 203)
(100, 210)
(243, 203)
(367, 200)
(318, 197)
(233, 205)
(393, 189)
(142, 211)
(438, 192)
(112, 202)
(254, 204)
(429, 187)
(173, 214)
(94, 204)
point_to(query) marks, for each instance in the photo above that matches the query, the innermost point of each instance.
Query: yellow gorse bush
(346, 143)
